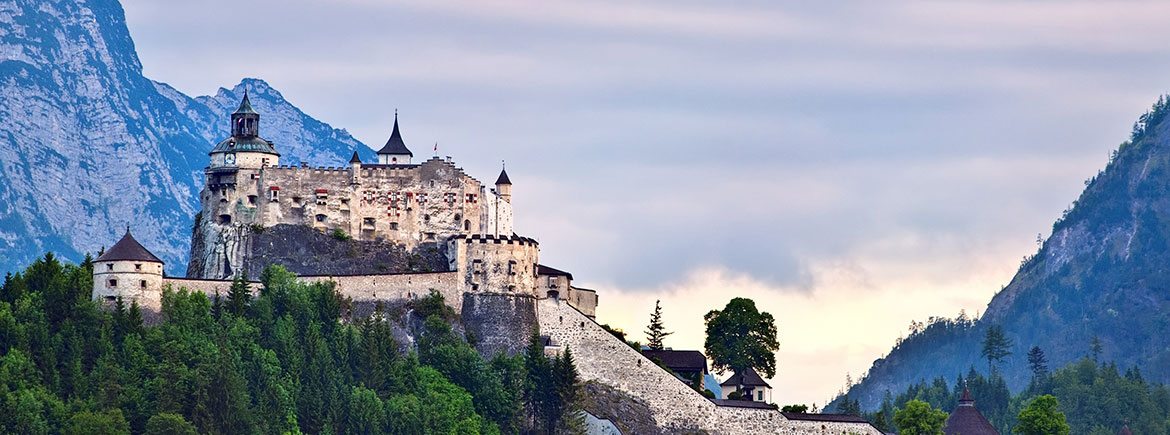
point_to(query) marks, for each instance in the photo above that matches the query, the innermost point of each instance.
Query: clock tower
(230, 198)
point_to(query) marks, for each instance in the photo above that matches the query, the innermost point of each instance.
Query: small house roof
(967, 420)
(128, 249)
(748, 378)
(545, 270)
(679, 360)
(395, 145)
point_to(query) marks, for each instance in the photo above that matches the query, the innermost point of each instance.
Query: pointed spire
(395, 145)
(355, 158)
(503, 178)
(245, 105)
(966, 399)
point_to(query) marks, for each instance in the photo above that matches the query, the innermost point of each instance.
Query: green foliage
(740, 336)
(655, 332)
(799, 409)
(621, 335)
(551, 390)
(169, 424)
(1042, 416)
(919, 418)
(282, 362)
(94, 423)
(996, 346)
(340, 234)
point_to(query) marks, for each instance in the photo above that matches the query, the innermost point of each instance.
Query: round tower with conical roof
(128, 271)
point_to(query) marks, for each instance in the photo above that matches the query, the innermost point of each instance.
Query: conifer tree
(239, 295)
(656, 331)
(995, 346)
(1095, 348)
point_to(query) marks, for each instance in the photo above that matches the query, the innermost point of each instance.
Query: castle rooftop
(128, 249)
(395, 145)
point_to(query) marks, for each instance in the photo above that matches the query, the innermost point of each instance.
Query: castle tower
(355, 166)
(128, 271)
(395, 151)
(245, 149)
(504, 186)
(231, 198)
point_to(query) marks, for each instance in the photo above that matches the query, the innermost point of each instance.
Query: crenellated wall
(490, 264)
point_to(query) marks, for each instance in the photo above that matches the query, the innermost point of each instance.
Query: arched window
(467, 225)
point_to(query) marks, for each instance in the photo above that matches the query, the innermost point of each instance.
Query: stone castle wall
(492, 264)
(498, 323)
(675, 406)
(403, 204)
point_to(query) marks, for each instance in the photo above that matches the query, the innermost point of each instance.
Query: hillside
(1104, 272)
(88, 144)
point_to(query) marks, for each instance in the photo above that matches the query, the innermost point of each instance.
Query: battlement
(491, 238)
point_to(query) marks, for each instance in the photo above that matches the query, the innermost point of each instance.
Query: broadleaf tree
(740, 336)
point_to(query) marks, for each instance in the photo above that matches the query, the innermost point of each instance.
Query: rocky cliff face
(89, 145)
(1104, 272)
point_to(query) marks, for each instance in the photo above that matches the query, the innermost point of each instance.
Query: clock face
(230, 158)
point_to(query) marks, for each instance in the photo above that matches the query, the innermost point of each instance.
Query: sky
(849, 166)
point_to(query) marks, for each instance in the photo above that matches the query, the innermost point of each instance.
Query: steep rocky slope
(1104, 272)
(89, 145)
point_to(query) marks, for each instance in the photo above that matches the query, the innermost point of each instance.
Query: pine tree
(239, 295)
(1095, 348)
(656, 331)
(995, 346)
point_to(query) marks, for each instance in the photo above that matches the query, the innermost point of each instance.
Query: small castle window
(297, 200)
(426, 218)
(142, 283)
(273, 195)
(225, 219)
(320, 218)
(368, 221)
(430, 236)
(467, 225)
(137, 266)
(511, 267)
(111, 298)
(458, 217)
(252, 200)
(113, 283)
(110, 266)
(394, 226)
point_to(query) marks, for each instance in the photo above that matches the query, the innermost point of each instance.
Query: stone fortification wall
(492, 264)
(675, 406)
(499, 323)
(399, 287)
(360, 288)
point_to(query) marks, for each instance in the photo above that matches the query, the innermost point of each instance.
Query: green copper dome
(254, 144)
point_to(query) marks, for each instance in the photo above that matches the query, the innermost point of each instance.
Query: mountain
(1104, 272)
(89, 145)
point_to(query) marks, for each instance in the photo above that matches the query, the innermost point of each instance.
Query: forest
(287, 361)
(1097, 398)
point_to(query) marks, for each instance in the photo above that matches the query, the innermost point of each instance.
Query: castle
(489, 275)
(433, 204)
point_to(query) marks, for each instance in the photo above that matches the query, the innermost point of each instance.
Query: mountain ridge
(1103, 273)
(90, 144)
